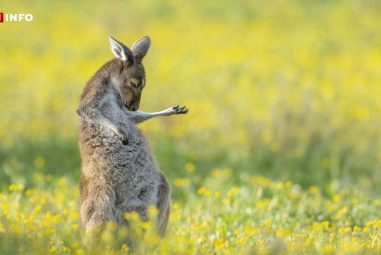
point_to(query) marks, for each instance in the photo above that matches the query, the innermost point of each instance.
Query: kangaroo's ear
(120, 50)
(140, 47)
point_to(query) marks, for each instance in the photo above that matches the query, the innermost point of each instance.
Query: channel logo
(15, 17)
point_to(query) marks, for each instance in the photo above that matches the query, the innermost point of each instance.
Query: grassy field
(280, 152)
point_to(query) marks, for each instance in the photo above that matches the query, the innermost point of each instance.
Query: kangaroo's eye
(133, 84)
(143, 82)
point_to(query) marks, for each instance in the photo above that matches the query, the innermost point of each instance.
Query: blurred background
(285, 89)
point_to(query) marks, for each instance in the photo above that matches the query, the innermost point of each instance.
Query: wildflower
(39, 162)
(262, 203)
(251, 231)
(233, 191)
(283, 232)
(190, 167)
(204, 191)
(124, 249)
(329, 249)
(16, 187)
(268, 223)
(181, 182)
(314, 190)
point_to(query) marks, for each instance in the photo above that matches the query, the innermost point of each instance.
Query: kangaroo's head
(131, 78)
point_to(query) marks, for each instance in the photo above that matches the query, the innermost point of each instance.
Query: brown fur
(118, 171)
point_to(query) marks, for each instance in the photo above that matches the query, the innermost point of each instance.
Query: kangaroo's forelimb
(139, 116)
(92, 114)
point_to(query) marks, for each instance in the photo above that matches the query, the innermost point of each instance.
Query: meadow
(279, 154)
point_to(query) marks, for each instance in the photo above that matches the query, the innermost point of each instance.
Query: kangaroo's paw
(124, 140)
(123, 137)
(179, 110)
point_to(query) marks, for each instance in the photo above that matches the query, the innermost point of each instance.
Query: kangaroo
(118, 172)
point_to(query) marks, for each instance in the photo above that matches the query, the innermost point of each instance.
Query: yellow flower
(283, 232)
(204, 191)
(233, 191)
(181, 182)
(252, 231)
(217, 194)
(328, 249)
(314, 189)
(220, 244)
(344, 230)
(218, 172)
(268, 223)
(320, 226)
(132, 216)
(16, 187)
(190, 167)
(39, 162)
(336, 198)
(262, 203)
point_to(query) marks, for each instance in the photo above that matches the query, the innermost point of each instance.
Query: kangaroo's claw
(123, 137)
(180, 110)
(124, 140)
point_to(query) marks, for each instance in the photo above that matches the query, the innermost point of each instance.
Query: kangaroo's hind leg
(97, 206)
(163, 204)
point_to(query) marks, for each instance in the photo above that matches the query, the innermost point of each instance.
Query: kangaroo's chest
(112, 108)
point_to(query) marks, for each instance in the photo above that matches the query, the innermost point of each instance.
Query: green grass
(287, 90)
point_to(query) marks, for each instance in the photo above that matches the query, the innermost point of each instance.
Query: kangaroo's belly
(129, 170)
